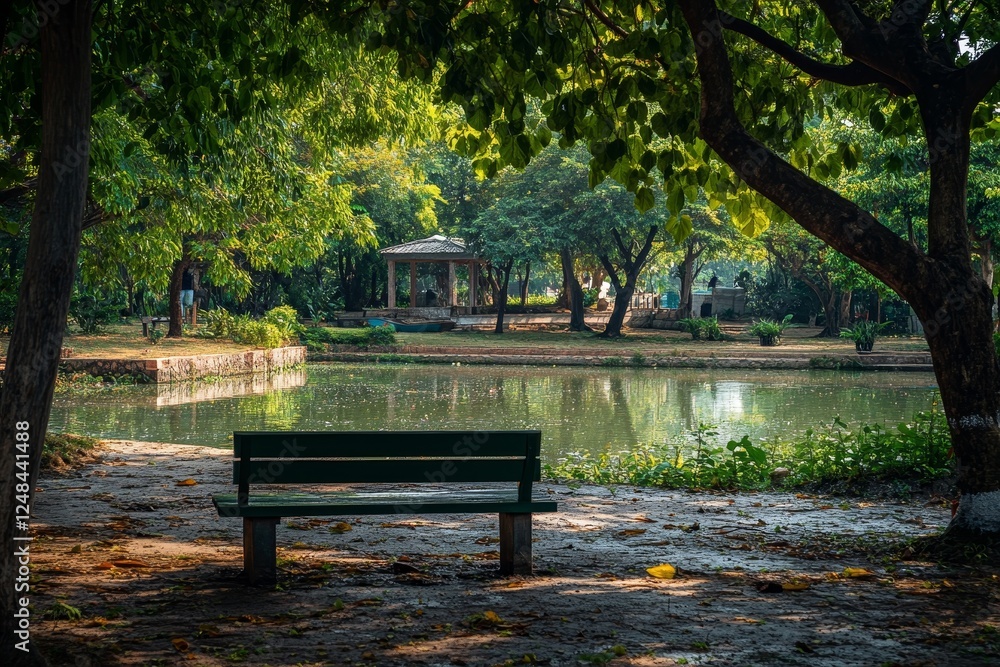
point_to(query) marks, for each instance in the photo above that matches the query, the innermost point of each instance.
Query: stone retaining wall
(179, 369)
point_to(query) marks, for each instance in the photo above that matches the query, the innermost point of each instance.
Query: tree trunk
(623, 297)
(687, 286)
(524, 284)
(503, 282)
(43, 300)
(845, 307)
(574, 293)
(176, 329)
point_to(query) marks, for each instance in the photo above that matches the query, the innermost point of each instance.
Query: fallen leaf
(631, 532)
(128, 562)
(104, 566)
(857, 572)
(644, 519)
(491, 616)
(665, 571)
(77, 549)
(340, 527)
(187, 482)
(180, 644)
(795, 586)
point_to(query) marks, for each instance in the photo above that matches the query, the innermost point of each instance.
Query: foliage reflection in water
(577, 409)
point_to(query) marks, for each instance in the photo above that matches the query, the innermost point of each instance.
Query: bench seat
(415, 463)
(349, 503)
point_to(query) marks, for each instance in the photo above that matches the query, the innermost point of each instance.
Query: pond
(577, 409)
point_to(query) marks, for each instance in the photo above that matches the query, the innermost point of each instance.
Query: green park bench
(410, 459)
(147, 321)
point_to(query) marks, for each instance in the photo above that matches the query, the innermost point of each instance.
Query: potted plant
(768, 331)
(863, 333)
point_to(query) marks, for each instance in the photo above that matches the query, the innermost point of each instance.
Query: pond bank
(773, 358)
(410, 591)
(192, 367)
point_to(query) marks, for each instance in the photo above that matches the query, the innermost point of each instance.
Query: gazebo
(440, 251)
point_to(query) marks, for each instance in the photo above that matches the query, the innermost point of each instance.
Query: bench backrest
(386, 456)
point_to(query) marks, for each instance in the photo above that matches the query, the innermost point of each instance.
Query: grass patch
(63, 450)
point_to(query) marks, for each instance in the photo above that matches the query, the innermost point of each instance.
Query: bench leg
(515, 543)
(260, 550)
(145, 330)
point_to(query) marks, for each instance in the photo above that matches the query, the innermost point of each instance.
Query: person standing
(187, 293)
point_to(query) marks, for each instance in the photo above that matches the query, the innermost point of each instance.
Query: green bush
(278, 326)
(769, 331)
(92, 310)
(833, 452)
(318, 338)
(533, 300)
(702, 328)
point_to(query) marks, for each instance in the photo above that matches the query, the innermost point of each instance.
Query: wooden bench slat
(382, 443)
(418, 503)
(386, 471)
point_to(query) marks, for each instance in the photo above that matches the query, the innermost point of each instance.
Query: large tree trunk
(632, 267)
(950, 297)
(176, 329)
(43, 301)
(574, 292)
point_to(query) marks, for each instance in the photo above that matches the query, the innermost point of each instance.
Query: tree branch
(605, 19)
(818, 209)
(855, 74)
(982, 75)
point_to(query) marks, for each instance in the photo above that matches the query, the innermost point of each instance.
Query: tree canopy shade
(620, 75)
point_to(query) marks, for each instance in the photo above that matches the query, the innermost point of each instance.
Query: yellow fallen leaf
(857, 572)
(340, 527)
(187, 482)
(180, 644)
(104, 566)
(665, 571)
(644, 519)
(491, 616)
(795, 586)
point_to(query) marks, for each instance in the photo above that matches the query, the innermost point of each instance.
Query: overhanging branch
(818, 209)
(982, 75)
(855, 74)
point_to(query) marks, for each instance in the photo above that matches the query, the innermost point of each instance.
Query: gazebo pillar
(452, 292)
(413, 284)
(392, 284)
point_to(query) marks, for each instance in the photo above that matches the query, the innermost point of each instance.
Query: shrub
(92, 310)
(318, 338)
(533, 300)
(769, 331)
(833, 452)
(278, 326)
(702, 328)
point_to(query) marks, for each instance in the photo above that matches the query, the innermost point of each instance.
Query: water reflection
(576, 408)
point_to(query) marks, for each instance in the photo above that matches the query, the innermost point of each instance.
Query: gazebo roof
(435, 248)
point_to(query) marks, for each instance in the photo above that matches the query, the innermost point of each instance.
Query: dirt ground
(154, 572)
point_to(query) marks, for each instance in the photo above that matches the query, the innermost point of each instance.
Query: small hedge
(317, 339)
(278, 326)
(63, 450)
